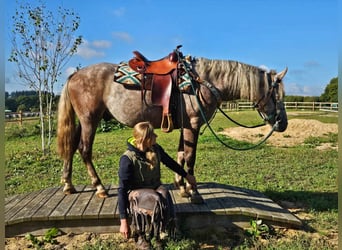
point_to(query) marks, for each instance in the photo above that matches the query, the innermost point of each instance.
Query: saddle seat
(161, 67)
(164, 75)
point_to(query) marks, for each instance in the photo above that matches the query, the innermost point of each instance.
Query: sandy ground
(298, 130)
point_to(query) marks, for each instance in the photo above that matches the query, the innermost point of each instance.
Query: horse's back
(87, 87)
(94, 73)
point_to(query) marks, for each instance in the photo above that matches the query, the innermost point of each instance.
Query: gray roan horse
(90, 93)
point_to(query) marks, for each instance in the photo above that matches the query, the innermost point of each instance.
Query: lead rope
(216, 136)
(207, 84)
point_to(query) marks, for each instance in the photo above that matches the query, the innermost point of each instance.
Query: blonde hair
(143, 133)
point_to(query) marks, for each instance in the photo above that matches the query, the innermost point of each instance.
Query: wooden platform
(223, 205)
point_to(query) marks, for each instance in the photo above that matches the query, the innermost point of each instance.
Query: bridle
(260, 105)
(273, 94)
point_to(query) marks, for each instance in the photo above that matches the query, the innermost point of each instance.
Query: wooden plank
(44, 211)
(93, 209)
(264, 207)
(223, 205)
(213, 201)
(244, 201)
(50, 194)
(14, 201)
(240, 199)
(249, 212)
(10, 215)
(62, 208)
(181, 204)
(9, 200)
(109, 206)
(80, 204)
(26, 213)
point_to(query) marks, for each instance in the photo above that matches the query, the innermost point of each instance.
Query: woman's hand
(125, 229)
(191, 180)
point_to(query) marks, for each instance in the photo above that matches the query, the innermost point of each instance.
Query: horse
(91, 94)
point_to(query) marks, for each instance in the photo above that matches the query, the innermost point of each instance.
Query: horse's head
(270, 105)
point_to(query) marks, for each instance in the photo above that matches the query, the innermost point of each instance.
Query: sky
(298, 34)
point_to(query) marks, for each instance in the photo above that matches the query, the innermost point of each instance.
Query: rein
(225, 144)
(218, 97)
(239, 124)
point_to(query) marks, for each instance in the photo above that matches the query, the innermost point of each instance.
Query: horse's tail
(65, 125)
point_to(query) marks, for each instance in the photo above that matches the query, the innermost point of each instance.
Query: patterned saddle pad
(127, 76)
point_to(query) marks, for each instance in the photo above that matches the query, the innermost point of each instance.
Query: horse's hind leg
(67, 165)
(85, 148)
(66, 178)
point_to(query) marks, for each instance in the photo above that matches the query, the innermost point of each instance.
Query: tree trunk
(42, 127)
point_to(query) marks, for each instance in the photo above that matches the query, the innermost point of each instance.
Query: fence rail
(313, 106)
(20, 117)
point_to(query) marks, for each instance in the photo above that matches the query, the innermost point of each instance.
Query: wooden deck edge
(224, 205)
(241, 221)
(110, 224)
(103, 225)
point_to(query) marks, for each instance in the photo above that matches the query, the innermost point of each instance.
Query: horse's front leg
(179, 181)
(188, 156)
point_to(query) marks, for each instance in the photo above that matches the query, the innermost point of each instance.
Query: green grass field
(301, 175)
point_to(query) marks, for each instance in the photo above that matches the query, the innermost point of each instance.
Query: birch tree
(42, 43)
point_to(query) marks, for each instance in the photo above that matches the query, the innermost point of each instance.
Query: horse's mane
(238, 80)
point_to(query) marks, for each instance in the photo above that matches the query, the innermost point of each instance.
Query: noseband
(271, 94)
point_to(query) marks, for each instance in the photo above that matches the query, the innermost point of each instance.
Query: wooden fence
(20, 117)
(312, 106)
(329, 106)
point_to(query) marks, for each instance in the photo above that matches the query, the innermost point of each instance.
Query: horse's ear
(281, 74)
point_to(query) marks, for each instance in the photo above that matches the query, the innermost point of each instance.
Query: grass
(299, 175)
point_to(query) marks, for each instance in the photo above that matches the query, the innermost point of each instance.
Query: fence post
(20, 117)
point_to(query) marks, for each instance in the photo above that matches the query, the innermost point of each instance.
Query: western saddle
(163, 74)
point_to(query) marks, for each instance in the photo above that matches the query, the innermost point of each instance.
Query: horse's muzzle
(281, 118)
(281, 126)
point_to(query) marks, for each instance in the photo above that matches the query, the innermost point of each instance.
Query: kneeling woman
(140, 170)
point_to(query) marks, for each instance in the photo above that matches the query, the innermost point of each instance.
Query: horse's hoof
(69, 191)
(102, 194)
(176, 185)
(183, 193)
(196, 198)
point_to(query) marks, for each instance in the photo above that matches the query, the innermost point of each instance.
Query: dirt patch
(72, 241)
(68, 241)
(297, 131)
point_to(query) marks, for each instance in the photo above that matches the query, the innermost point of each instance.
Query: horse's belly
(129, 106)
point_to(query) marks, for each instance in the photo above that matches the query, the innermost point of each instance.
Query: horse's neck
(233, 79)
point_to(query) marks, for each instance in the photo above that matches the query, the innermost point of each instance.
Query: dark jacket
(130, 178)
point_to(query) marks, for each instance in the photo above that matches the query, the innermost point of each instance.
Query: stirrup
(166, 124)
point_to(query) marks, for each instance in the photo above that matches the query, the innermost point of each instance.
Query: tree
(42, 44)
(11, 104)
(331, 91)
